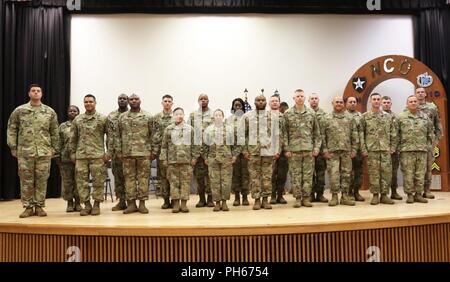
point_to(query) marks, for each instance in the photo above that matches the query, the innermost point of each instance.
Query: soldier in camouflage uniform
(200, 120)
(302, 141)
(340, 143)
(357, 161)
(220, 154)
(134, 149)
(66, 166)
(378, 142)
(261, 149)
(281, 167)
(386, 103)
(117, 170)
(415, 136)
(320, 165)
(432, 111)
(87, 149)
(160, 122)
(179, 154)
(240, 178)
(32, 137)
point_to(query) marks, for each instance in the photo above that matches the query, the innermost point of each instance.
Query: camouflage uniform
(116, 163)
(261, 145)
(395, 157)
(280, 168)
(357, 162)
(320, 163)
(340, 138)
(134, 146)
(219, 151)
(32, 135)
(415, 136)
(178, 151)
(301, 136)
(379, 139)
(160, 122)
(87, 145)
(67, 167)
(432, 111)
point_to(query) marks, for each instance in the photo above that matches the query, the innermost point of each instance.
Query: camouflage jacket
(64, 140)
(378, 132)
(432, 111)
(238, 125)
(262, 133)
(87, 136)
(357, 116)
(339, 133)
(33, 131)
(219, 142)
(160, 122)
(301, 130)
(199, 121)
(135, 134)
(320, 115)
(415, 132)
(113, 130)
(178, 144)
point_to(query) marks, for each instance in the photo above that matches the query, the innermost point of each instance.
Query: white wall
(184, 55)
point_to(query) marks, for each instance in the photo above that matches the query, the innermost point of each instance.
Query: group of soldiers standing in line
(249, 152)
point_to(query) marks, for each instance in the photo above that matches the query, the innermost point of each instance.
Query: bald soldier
(432, 111)
(117, 170)
(200, 120)
(33, 139)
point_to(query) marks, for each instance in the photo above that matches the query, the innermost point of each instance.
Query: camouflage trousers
(201, 176)
(301, 166)
(179, 176)
(136, 171)
(339, 169)
(413, 165)
(260, 169)
(97, 170)
(356, 173)
(240, 178)
(220, 179)
(428, 174)
(320, 167)
(69, 189)
(119, 180)
(279, 175)
(395, 158)
(379, 168)
(33, 174)
(163, 185)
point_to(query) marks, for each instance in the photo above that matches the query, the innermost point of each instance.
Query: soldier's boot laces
(224, 206)
(237, 199)
(298, 202)
(273, 199)
(131, 207)
(202, 202)
(419, 199)
(27, 213)
(265, 204)
(385, 200)
(183, 207)
(87, 209)
(375, 199)
(280, 199)
(176, 206)
(70, 206)
(334, 200)
(142, 208)
(96, 208)
(78, 207)
(395, 195)
(120, 206)
(166, 204)
(257, 204)
(306, 202)
(217, 206)
(245, 200)
(410, 199)
(209, 201)
(39, 211)
(345, 200)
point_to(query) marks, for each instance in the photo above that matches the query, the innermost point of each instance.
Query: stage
(400, 232)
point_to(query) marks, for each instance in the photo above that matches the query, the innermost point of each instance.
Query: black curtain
(35, 50)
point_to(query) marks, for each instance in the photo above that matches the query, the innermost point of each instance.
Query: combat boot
(280, 199)
(410, 199)
(298, 202)
(27, 213)
(351, 196)
(245, 200)
(345, 200)
(419, 199)
(87, 209)
(358, 197)
(209, 201)
(142, 208)
(257, 204)
(77, 205)
(96, 208)
(334, 200)
(176, 206)
(217, 207)
(237, 199)
(70, 206)
(120, 206)
(273, 199)
(395, 195)
(224, 206)
(427, 194)
(166, 204)
(202, 202)
(131, 207)
(321, 199)
(375, 199)
(306, 202)
(265, 204)
(183, 207)
(39, 211)
(385, 200)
